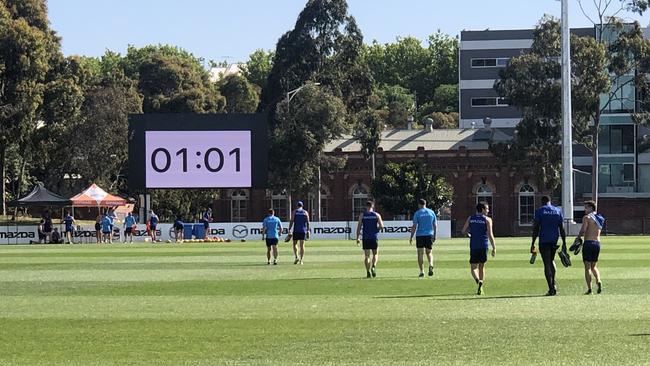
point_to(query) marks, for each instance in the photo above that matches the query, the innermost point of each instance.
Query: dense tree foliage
(258, 67)
(240, 94)
(313, 118)
(30, 58)
(324, 46)
(411, 65)
(399, 186)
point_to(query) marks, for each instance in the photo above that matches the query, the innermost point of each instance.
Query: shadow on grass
(416, 296)
(640, 335)
(504, 297)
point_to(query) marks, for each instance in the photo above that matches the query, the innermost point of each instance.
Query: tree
(324, 46)
(411, 65)
(368, 131)
(396, 104)
(445, 98)
(258, 67)
(240, 94)
(312, 118)
(171, 80)
(399, 186)
(532, 83)
(441, 120)
(627, 53)
(26, 46)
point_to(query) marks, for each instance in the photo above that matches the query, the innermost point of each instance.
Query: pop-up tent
(94, 196)
(40, 196)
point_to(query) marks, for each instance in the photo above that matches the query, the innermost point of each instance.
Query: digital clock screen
(198, 159)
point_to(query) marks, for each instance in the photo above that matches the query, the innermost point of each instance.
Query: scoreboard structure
(182, 151)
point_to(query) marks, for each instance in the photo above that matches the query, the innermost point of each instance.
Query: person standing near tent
(98, 228)
(111, 216)
(206, 219)
(69, 222)
(106, 229)
(41, 234)
(47, 226)
(129, 227)
(153, 222)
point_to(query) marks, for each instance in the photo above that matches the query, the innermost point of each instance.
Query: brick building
(462, 156)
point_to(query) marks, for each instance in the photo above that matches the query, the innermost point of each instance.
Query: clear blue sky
(231, 30)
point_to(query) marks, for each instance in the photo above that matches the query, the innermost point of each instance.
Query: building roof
(217, 73)
(436, 140)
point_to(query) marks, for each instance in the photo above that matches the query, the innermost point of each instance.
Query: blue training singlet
(300, 221)
(369, 222)
(478, 230)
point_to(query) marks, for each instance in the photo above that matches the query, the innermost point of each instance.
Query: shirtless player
(592, 224)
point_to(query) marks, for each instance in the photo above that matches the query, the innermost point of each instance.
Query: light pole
(567, 153)
(290, 95)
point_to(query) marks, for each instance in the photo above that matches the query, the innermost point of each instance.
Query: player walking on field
(548, 226)
(592, 224)
(300, 224)
(271, 230)
(479, 227)
(371, 223)
(425, 228)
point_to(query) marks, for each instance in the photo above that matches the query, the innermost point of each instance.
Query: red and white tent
(94, 196)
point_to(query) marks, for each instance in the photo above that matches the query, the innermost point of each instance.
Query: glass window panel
(616, 140)
(616, 175)
(627, 139)
(603, 140)
(628, 172)
(502, 62)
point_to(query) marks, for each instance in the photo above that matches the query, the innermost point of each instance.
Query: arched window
(526, 204)
(279, 203)
(324, 196)
(238, 205)
(360, 196)
(484, 194)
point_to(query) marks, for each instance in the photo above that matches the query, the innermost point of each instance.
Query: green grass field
(220, 304)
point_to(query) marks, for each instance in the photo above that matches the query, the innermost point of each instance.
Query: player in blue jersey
(206, 219)
(479, 228)
(178, 228)
(129, 227)
(69, 226)
(371, 223)
(592, 224)
(300, 225)
(425, 228)
(106, 229)
(548, 227)
(153, 223)
(271, 230)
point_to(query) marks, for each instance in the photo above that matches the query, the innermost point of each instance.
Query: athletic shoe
(551, 293)
(296, 261)
(600, 287)
(588, 292)
(430, 271)
(368, 274)
(564, 258)
(575, 247)
(275, 263)
(268, 263)
(373, 272)
(421, 275)
(301, 262)
(479, 291)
